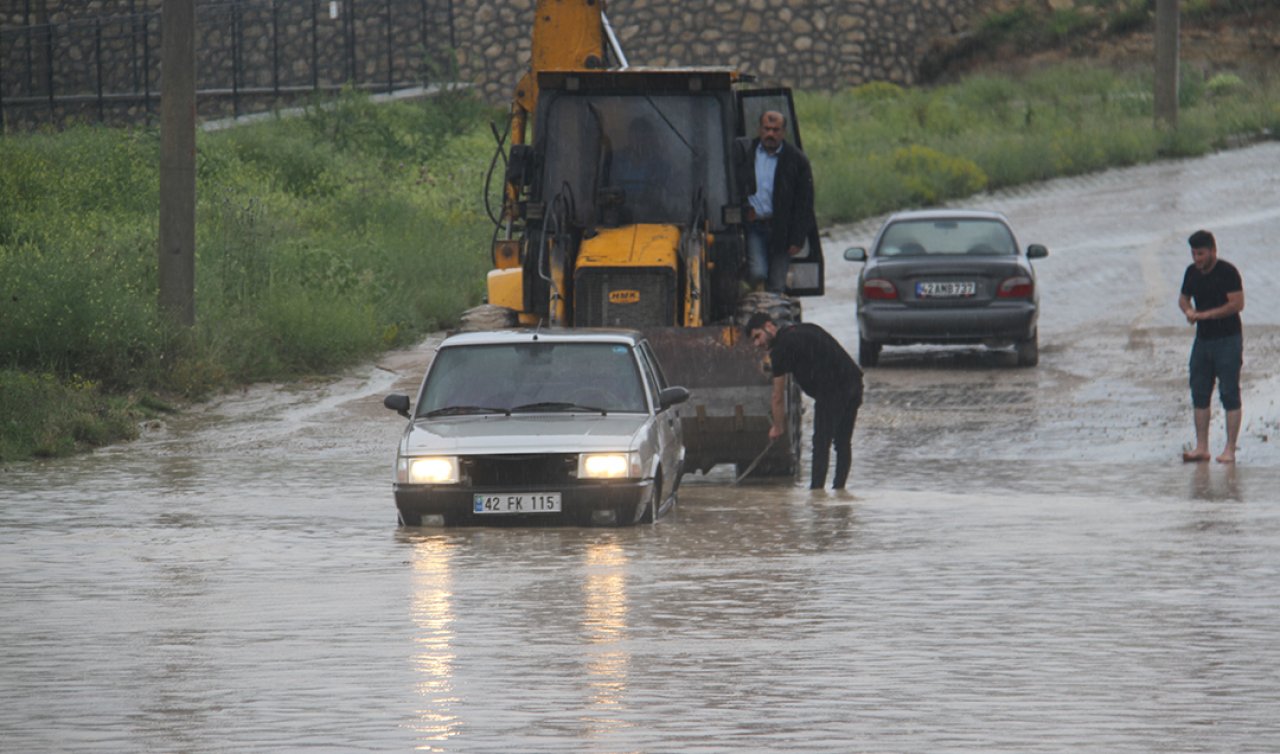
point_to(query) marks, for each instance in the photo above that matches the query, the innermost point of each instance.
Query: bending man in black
(826, 373)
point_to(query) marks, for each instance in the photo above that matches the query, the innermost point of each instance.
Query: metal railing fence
(251, 55)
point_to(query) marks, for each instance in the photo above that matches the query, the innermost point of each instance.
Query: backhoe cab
(636, 181)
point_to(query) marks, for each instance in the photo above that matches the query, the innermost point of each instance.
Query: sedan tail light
(1016, 287)
(876, 288)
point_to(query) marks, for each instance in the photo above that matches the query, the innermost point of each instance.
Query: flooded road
(1023, 564)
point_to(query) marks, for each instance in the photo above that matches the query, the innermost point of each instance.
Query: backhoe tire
(487, 317)
(780, 308)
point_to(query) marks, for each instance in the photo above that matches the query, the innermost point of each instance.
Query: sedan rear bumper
(613, 503)
(902, 325)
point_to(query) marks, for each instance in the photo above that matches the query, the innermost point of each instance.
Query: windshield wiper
(670, 125)
(559, 406)
(460, 410)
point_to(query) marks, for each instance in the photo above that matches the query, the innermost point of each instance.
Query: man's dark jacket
(793, 217)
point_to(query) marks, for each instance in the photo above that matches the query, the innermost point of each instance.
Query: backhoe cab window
(635, 159)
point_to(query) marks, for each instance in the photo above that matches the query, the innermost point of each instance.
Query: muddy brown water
(1023, 564)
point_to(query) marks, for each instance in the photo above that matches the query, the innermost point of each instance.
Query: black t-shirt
(816, 360)
(1209, 292)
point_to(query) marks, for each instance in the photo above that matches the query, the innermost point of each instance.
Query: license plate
(517, 502)
(946, 289)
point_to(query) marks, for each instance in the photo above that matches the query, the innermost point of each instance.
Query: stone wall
(806, 44)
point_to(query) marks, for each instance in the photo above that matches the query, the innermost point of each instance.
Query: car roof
(544, 335)
(949, 214)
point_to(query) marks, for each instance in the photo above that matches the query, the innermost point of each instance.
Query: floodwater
(1023, 564)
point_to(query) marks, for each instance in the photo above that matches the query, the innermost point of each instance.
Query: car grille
(605, 297)
(520, 470)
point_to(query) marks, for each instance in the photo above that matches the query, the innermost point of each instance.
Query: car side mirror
(1037, 251)
(397, 403)
(855, 254)
(673, 395)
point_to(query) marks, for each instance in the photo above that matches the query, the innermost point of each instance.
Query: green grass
(48, 415)
(325, 239)
(320, 240)
(881, 147)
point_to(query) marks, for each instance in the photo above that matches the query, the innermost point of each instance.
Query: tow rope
(755, 463)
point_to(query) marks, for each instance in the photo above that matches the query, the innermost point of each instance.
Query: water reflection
(433, 615)
(604, 627)
(1221, 482)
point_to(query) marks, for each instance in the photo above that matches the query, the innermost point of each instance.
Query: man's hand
(1193, 316)
(774, 432)
(794, 251)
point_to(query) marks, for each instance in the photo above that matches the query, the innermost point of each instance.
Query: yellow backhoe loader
(623, 206)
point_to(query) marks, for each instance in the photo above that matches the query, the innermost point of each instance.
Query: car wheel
(1028, 351)
(655, 501)
(487, 317)
(868, 353)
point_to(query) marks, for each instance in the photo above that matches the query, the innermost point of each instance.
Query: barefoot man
(1218, 295)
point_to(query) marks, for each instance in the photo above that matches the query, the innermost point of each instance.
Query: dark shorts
(1218, 359)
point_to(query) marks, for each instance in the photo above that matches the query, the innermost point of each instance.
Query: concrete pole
(1166, 94)
(178, 161)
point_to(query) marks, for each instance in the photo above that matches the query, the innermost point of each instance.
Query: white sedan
(540, 426)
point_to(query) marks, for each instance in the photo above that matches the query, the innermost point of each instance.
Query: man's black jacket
(793, 216)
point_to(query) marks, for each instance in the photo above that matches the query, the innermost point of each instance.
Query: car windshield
(635, 158)
(947, 237)
(533, 377)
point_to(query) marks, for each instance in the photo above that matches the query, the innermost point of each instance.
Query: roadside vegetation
(320, 240)
(880, 147)
(325, 239)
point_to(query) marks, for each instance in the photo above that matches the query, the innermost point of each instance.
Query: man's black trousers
(833, 420)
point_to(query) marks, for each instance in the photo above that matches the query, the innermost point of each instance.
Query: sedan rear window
(942, 237)
(533, 377)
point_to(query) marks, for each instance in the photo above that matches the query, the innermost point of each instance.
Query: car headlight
(427, 470)
(609, 466)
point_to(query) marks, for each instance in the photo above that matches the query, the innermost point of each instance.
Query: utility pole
(1166, 94)
(178, 161)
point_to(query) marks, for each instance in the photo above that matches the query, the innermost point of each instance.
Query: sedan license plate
(946, 289)
(517, 502)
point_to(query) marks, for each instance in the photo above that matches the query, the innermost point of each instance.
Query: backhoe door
(807, 274)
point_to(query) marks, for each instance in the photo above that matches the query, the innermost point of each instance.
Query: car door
(669, 428)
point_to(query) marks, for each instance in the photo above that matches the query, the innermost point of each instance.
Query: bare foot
(1228, 456)
(1191, 456)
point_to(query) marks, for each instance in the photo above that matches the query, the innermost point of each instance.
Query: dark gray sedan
(947, 277)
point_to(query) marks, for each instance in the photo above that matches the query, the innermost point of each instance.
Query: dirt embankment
(1246, 41)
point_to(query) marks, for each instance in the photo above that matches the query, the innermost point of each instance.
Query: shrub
(43, 415)
(931, 176)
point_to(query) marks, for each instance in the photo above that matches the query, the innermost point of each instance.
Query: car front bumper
(901, 325)
(613, 503)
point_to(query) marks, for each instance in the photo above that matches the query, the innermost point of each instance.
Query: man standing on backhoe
(780, 205)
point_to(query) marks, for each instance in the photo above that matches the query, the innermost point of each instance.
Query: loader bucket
(727, 417)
